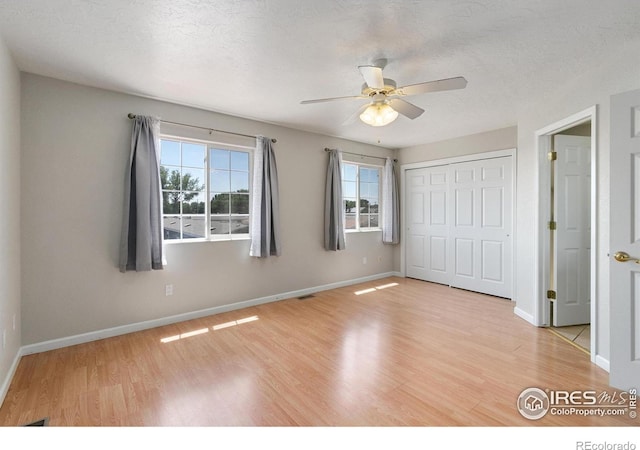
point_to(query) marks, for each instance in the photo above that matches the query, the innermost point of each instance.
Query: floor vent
(39, 423)
(306, 297)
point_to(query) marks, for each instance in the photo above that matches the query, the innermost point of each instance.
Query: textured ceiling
(260, 58)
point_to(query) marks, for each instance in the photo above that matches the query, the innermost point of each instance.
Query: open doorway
(567, 233)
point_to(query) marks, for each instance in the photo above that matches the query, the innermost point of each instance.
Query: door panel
(427, 229)
(573, 233)
(624, 221)
(459, 230)
(482, 191)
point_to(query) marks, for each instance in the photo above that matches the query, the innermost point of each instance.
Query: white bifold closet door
(459, 222)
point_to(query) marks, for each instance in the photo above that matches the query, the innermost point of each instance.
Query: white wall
(619, 73)
(75, 148)
(10, 215)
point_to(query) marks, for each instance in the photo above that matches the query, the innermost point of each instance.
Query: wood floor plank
(392, 352)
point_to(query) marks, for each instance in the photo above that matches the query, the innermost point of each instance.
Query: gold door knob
(624, 257)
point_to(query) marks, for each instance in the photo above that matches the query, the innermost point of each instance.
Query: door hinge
(551, 295)
(552, 156)
(552, 225)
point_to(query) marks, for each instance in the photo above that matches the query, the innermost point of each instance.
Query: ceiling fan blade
(405, 108)
(372, 76)
(432, 86)
(321, 100)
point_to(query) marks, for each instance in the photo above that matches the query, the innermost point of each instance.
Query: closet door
(480, 197)
(426, 197)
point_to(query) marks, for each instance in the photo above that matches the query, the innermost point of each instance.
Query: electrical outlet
(13, 322)
(168, 289)
(379, 258)
(364, 260)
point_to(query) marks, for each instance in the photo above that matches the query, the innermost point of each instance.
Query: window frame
(358, 228)
(207, 191)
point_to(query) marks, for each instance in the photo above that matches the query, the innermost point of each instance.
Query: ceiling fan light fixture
(379, 115)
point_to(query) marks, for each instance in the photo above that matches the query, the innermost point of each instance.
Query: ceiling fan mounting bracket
(387, 89)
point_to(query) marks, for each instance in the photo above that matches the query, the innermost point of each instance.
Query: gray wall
(504, 138)
(75, 148)
(10, 214)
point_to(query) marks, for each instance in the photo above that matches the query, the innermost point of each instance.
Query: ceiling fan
(386, 98)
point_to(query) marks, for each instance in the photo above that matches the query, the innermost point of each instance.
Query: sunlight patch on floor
(377, 288)
(220, 326)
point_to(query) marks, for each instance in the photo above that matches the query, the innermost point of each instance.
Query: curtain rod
(359, 154)
(133, 116)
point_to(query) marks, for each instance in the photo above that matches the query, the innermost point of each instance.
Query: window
(205, 190)
(361, 197)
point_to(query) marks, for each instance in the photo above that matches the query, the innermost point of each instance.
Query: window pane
(364, 174)
(192, 179)
(373, 206)
(239, 203)
(350, 222)
(374, 175)
(364, 221)
(349, 205)
(374, 190)
(364, 205)
(169, 153)
(193, 155)
(239, 182)
(240, 161)
(219, 159)
(219, 181)
(170, 177)
(193, 227)
(171, 202)
(364, 189)
(219, 203)
(349, 189)
(193, 203)
(239, 225)
(349, 172)
(219, 224)
(373, 221)
(171, 227)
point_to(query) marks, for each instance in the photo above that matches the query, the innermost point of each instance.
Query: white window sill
(367, 230)
(193, 241)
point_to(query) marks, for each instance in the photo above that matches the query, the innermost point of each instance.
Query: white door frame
(458, 159)
(543, 146)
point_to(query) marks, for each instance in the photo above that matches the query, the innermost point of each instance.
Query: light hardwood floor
(402, 353)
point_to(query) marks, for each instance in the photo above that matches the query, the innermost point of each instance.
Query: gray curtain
(390, 205)
(333, 211)
(265, 205)
(141, 240)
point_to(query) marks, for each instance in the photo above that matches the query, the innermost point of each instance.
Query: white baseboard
(7, 380)
(139, 326)
(524, 315)
(602, 363)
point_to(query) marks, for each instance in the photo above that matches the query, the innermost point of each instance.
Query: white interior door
(625, 237)
(573, 232)
(427, 226)
(480, 194)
